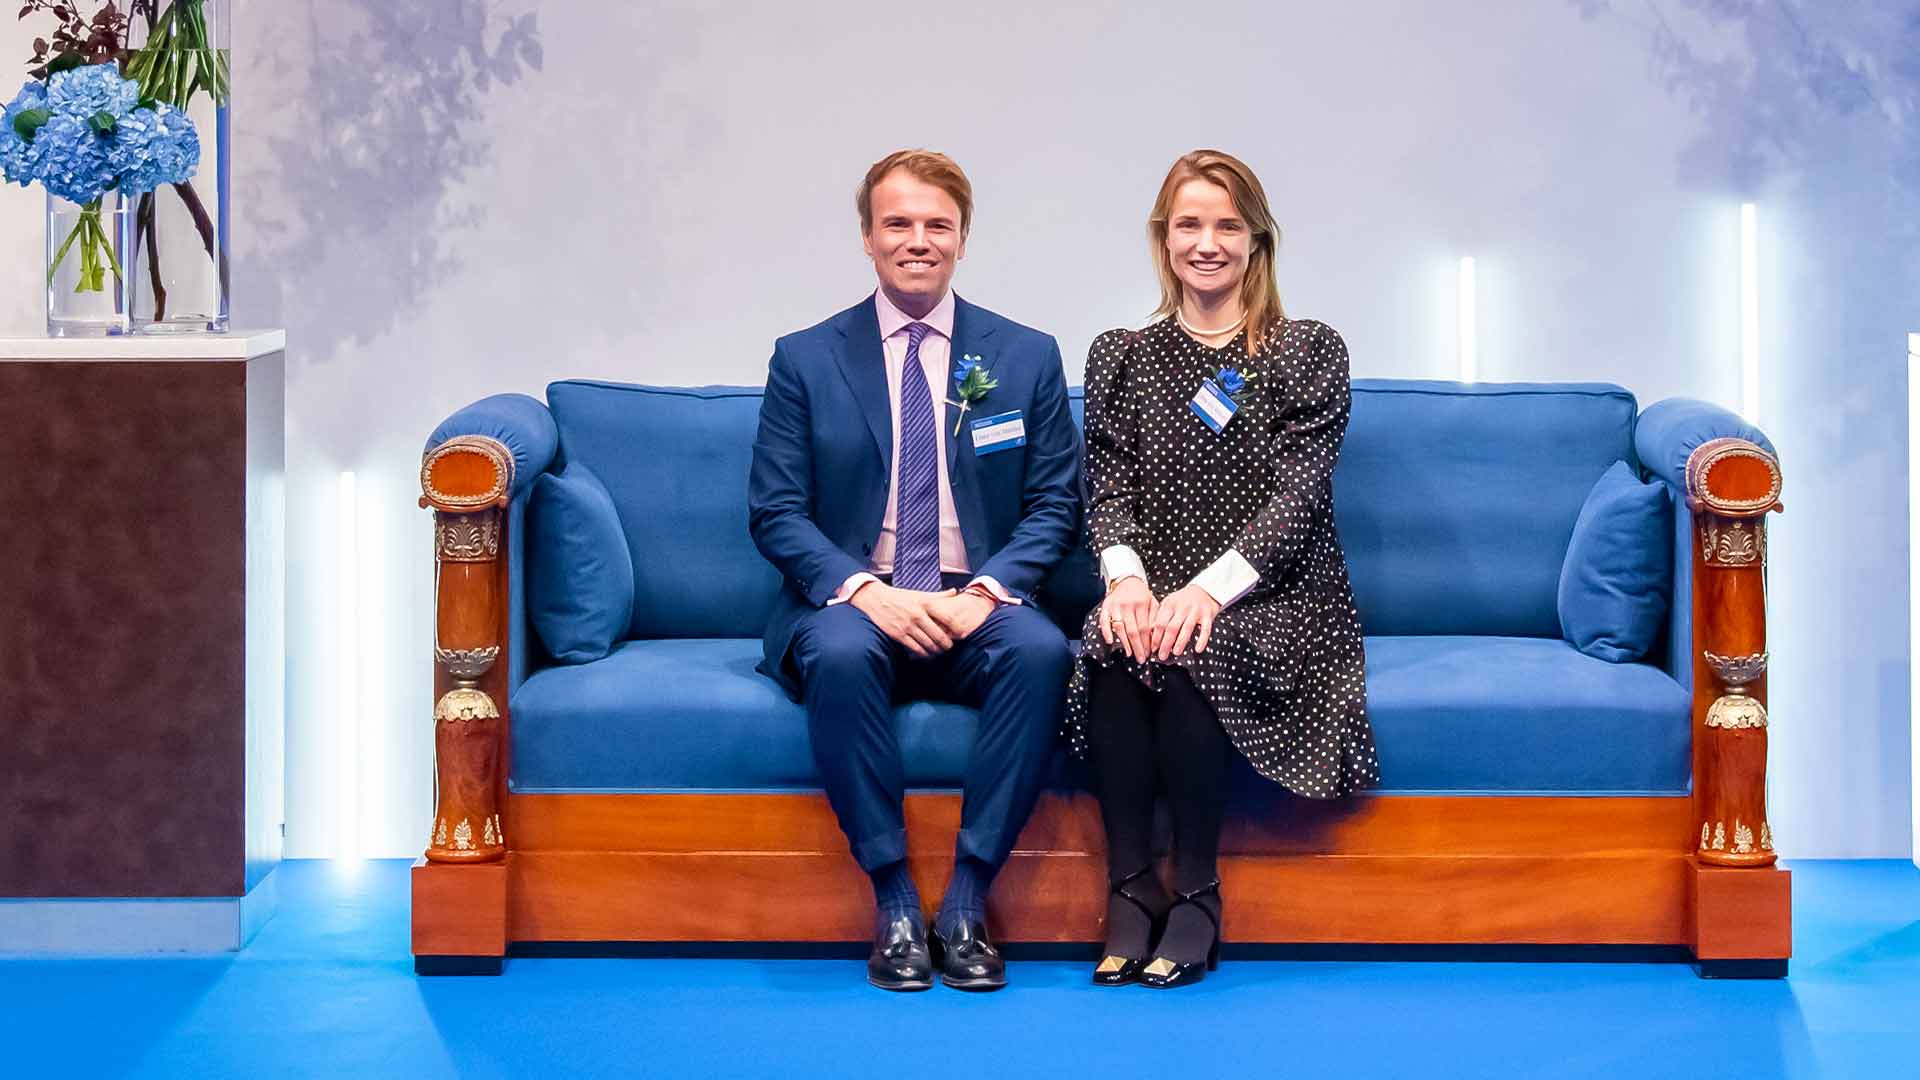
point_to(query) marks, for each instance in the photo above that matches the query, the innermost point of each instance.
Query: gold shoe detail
(1161, 967)
(1110, 965)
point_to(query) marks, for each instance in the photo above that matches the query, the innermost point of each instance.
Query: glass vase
(179, 52)
(86, 266)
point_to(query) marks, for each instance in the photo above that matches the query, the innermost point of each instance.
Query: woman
(1228, 624)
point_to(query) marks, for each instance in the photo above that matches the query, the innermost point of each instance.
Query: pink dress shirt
(936, 349)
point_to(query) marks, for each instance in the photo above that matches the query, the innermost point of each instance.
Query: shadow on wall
(1815, 104)
(1813, 109)
(365, 115)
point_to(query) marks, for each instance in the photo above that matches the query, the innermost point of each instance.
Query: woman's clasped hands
(1149, 629)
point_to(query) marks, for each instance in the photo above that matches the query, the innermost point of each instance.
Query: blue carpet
(328, 990)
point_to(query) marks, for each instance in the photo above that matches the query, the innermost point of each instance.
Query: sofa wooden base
(1405, 870)
(459, 915)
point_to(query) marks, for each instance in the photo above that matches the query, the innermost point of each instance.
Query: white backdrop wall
(449, 198)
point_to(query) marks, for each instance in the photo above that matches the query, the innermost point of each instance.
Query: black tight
(1135, 736)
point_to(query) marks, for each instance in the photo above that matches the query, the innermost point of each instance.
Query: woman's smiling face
(1208, 242)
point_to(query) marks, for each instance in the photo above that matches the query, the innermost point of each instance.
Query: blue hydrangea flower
(964, 367)
(73, 159)
(19, 161)
(1232, 381)
(152, 147)
(32, 95)
(84, 91)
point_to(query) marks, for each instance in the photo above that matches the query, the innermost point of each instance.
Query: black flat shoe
(900, 959)
(967, 959)
(1165, 974)
(1117, 970)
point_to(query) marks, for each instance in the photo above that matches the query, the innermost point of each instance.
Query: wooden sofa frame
(1695, 874)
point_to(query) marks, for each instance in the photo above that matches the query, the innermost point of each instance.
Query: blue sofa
(1455, 504)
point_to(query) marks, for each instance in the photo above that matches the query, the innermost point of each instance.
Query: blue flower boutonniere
(971, 381)
(1232, 381)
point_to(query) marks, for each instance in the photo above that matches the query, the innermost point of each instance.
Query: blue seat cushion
(1521, 716)
(1451, 715)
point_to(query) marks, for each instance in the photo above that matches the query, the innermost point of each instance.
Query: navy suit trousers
(1013, 669)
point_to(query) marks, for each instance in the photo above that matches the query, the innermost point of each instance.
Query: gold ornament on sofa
(468, 537)
(467, 665)
(465, 703)
(1733, 541)
(1734, 710)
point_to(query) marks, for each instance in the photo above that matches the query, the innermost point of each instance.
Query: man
(914, 512)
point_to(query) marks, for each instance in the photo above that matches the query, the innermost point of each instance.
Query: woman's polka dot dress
(1286, 669)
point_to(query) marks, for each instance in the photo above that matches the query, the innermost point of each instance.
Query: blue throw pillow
(579, 572)
(1618, 574)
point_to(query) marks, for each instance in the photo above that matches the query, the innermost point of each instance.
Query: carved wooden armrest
(1731, 486)
(466, 481)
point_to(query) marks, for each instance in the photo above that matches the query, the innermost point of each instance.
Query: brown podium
(142, 643)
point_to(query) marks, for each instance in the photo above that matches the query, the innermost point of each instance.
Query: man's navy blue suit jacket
(823, 459)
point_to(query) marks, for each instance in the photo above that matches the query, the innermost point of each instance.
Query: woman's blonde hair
(1259, 289)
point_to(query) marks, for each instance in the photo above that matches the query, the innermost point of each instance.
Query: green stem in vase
(84, 283)
(106, 247)
(96, 251)
(179, 58)
(60, 256)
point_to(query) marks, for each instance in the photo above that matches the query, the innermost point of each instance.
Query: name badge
(1212, 405)
(992, 434)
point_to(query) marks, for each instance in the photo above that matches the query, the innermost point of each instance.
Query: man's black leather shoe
(900, 959)
(967, 959)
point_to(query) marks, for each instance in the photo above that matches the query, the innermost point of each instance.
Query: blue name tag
(1212, 405)
(1002, 432)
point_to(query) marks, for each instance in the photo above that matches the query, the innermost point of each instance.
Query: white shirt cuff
(848, 586)
(999, 591)
(1228, 579)
(1120, 561)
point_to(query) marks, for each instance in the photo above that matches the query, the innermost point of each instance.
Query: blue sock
(966, 893)
(893, 891)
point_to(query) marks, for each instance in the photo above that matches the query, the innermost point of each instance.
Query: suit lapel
(863, 364)
(970, 335)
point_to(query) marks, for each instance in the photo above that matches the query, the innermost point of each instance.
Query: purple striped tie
(916, 531)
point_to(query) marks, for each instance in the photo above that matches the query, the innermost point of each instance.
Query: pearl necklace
(1197, 332)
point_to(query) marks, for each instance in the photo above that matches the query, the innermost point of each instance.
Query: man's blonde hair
(930, 166)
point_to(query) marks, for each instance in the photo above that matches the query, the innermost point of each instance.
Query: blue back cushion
(1455, 501)
(1618, 572)
(674, 460)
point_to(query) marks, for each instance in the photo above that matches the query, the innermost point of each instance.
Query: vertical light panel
(1913, 581)
(346, 713)
(371, 657)
(1749, 313)
(1469, 322)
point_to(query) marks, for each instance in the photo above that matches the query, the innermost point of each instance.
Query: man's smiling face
(915, 242)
